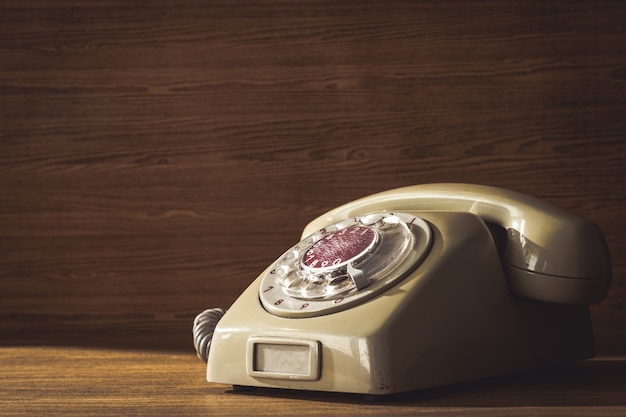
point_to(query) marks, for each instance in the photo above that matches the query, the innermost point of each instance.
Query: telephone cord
(203, 328)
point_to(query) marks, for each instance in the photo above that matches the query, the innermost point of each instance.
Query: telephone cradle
(414, 288)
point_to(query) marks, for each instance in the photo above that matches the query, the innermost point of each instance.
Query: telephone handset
(413, 288)
(550, 253)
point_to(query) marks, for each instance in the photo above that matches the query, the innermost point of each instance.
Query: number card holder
(283, 358)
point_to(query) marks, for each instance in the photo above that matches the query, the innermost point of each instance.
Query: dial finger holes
(351, 260)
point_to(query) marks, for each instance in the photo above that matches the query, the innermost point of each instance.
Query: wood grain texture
(156, 156)
(90, 382)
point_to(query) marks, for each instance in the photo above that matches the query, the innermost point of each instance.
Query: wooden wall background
(156, 156)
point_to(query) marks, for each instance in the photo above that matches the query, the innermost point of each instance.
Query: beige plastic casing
(452, 319)
(551, 254)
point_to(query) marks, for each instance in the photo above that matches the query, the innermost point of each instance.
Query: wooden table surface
(50, 381)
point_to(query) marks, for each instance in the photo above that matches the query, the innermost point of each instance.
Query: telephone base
(451, 320)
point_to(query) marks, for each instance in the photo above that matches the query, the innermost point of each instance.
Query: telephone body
(413, 288)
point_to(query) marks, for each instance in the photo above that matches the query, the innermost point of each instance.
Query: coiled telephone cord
(203, 328)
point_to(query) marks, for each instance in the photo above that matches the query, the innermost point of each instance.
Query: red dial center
(340, 247)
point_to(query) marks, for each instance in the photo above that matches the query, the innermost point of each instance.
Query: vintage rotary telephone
(413, 288)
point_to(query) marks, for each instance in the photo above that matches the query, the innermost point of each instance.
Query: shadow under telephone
(413, 288)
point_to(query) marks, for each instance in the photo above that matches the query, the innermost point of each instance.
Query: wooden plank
(61, 381)
(154, 158)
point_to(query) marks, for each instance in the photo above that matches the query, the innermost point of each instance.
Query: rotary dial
(344, 263)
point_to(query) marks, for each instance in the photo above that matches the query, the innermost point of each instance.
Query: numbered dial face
(343, 264)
